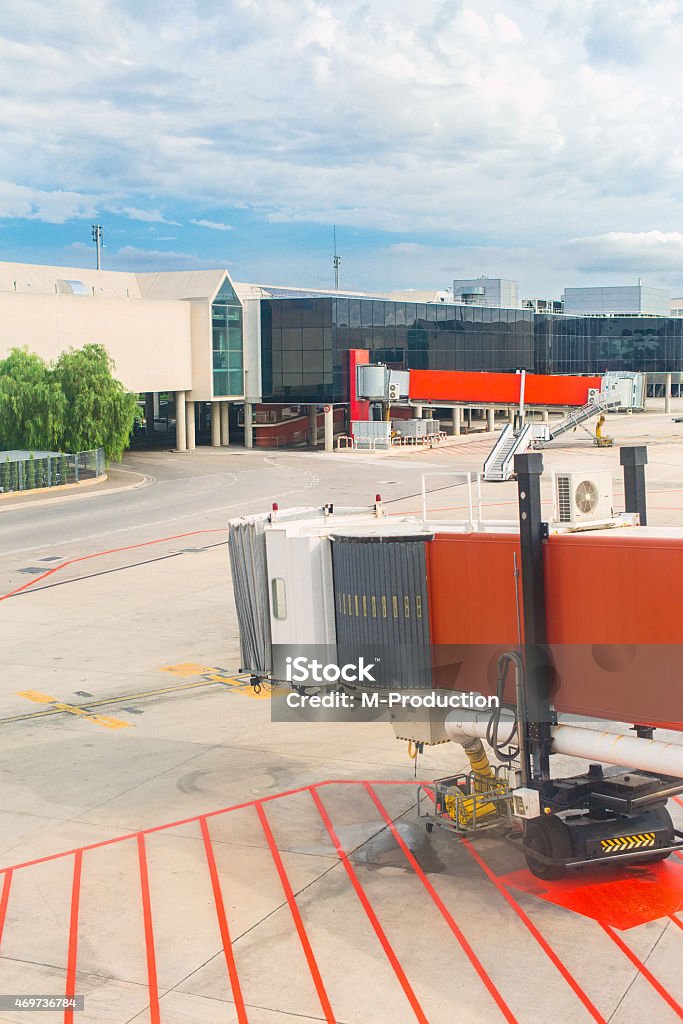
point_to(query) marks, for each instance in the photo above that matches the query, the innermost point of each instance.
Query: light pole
(97, 239)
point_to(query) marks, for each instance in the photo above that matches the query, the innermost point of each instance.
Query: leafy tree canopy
(32, 403)
(72, 405)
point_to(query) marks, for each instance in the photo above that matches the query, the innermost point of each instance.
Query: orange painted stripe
(543, 943)
(445, 913)
(99, 554)
(372, 917)
(647, 974)
(223, 924)
(154, 1014)
(212, 814)
(73, 936)
(4, 899)
(296, 915)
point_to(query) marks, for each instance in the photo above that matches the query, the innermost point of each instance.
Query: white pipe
(609, 747)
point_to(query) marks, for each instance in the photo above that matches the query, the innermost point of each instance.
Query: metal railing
(53, 470)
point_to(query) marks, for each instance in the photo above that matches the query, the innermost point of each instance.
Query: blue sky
(538, 140)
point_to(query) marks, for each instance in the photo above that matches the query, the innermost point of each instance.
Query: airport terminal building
(246, 358)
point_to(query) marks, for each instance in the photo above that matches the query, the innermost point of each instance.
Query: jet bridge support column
(538, 669)
(634, 461)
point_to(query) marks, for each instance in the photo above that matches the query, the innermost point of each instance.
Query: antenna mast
(337, 259)
(97, 239)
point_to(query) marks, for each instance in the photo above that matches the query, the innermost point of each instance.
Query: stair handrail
(507, 430)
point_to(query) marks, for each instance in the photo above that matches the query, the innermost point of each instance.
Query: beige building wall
(149, 341)
(202, 381)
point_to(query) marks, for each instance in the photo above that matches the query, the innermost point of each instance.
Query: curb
(58, 499)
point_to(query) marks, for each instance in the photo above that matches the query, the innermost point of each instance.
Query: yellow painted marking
(72, 709)
(108, 723)
(189, 668)
(242, 685)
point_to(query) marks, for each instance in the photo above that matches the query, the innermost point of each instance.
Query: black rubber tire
(549, 836)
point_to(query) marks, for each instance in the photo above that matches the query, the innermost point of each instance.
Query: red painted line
(211, 814)
(73, 937)
(675, 920)
(154, 1014)
(367, 906)
(543, 943)
(657, 985)
(223, 924)
(99, 554)
(445, 913)
(678, 800)
(4, 899)
(296, 915)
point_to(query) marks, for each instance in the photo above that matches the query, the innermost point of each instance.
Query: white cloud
(52, 206)
(148, 216)
(511, 124)
(214, 225)
(132, 258)
(658, 251)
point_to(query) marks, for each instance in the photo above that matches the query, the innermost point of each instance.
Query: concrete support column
(490, 420)
(417, 412)
(215, 424)
(225, 424)
(189, 433)
(329, 428)
(667, 393)
(457, 421)
(546, 415)
(313, 424)
(180, 428)
(248, 425)
(511, 413)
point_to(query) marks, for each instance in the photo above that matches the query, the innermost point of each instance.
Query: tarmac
(172, 855)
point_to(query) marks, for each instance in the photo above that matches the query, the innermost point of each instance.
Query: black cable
(503, 665)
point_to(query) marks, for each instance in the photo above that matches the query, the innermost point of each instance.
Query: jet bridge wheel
(550, 837)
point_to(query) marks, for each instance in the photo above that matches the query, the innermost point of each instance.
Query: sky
(538, 140)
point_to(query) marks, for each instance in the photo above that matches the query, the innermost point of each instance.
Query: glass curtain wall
(566, 344)
(304, 341)
(226, 343)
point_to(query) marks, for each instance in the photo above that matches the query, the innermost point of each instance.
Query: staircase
(578, 416)
(499, 464)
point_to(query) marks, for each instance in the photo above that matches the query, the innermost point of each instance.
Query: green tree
(32, 403)
(100, 413)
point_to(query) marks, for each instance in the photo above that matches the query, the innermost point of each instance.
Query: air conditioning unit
(582, 497)
(394, 392)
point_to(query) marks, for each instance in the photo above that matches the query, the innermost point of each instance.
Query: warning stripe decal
(621, 844)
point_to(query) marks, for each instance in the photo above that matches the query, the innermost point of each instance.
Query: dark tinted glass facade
(304, 341)
(568, 344)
